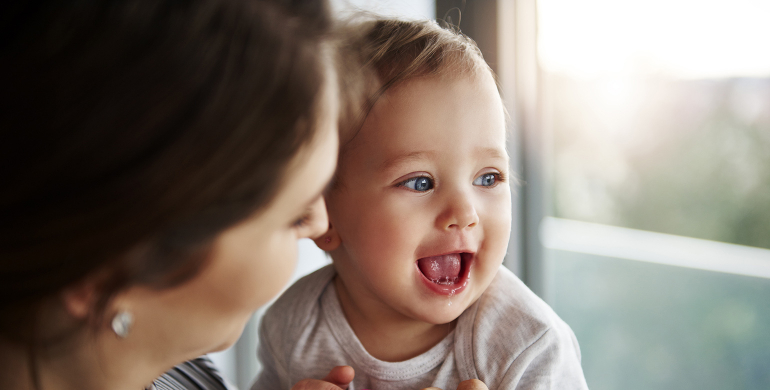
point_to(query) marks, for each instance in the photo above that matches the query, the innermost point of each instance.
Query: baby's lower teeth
(445, 281)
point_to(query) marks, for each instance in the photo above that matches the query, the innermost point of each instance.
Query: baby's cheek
(496, 217)
(383, 235)
(497, 229)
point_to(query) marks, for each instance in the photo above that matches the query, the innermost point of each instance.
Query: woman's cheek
(284, 260)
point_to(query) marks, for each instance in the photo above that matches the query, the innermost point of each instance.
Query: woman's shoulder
(196, 374)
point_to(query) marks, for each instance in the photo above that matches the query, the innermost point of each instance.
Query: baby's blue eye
(420, 183)
(486, 180)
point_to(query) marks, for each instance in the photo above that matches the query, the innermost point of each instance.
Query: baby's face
(424, 206)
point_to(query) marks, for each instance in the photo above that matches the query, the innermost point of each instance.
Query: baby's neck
(386, 337)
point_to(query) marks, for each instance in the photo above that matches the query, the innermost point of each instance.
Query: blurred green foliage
(694, 156)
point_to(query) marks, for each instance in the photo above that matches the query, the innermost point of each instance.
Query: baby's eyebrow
(403, 158)
(492, 152)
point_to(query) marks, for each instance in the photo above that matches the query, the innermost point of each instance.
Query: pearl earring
(327, 240)
(121, 323)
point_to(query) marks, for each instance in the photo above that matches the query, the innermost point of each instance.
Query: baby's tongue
(444, 268)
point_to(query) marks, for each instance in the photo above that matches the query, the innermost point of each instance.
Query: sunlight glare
(674, 38)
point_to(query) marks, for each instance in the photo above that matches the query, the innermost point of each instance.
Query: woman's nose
(459, 212)
(318, 221)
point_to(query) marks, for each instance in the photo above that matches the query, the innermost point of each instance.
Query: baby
(420, 216)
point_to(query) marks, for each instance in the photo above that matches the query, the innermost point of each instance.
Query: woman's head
(134, 133)
(247, 264)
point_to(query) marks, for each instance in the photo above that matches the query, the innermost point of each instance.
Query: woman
(159, 161)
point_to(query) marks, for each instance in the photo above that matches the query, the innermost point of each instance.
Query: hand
(470, 384)
(338, 379)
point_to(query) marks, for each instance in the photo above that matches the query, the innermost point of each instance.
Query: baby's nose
(460, 213)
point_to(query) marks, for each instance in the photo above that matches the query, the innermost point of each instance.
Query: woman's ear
(328, 241)
(79, 298)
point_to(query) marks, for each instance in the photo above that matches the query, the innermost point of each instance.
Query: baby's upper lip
(449, 252)
(448, 244)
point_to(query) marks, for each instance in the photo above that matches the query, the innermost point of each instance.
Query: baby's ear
(328, 241)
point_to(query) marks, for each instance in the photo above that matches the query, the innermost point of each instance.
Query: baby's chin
(443, 311)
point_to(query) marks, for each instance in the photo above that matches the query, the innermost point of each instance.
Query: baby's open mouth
(446, 269)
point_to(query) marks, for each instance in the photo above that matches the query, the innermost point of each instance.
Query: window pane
(648, 326)
(660, 114)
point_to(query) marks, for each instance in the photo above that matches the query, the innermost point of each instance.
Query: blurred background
(641, 136)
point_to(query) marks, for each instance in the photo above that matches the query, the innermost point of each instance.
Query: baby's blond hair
(393, 51)
(399, 50)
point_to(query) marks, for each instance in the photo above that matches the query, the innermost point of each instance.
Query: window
(656, 244)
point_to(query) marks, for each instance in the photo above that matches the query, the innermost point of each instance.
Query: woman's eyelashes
(301, 221)
(418, 183)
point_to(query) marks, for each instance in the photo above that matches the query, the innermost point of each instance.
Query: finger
(472, 384)
(341, 376)
(315, 384)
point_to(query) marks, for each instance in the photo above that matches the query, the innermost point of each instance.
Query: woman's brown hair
(133, 132)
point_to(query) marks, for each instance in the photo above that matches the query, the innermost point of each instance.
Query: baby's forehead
(428, 113)
(448, 73)
(396, 99)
